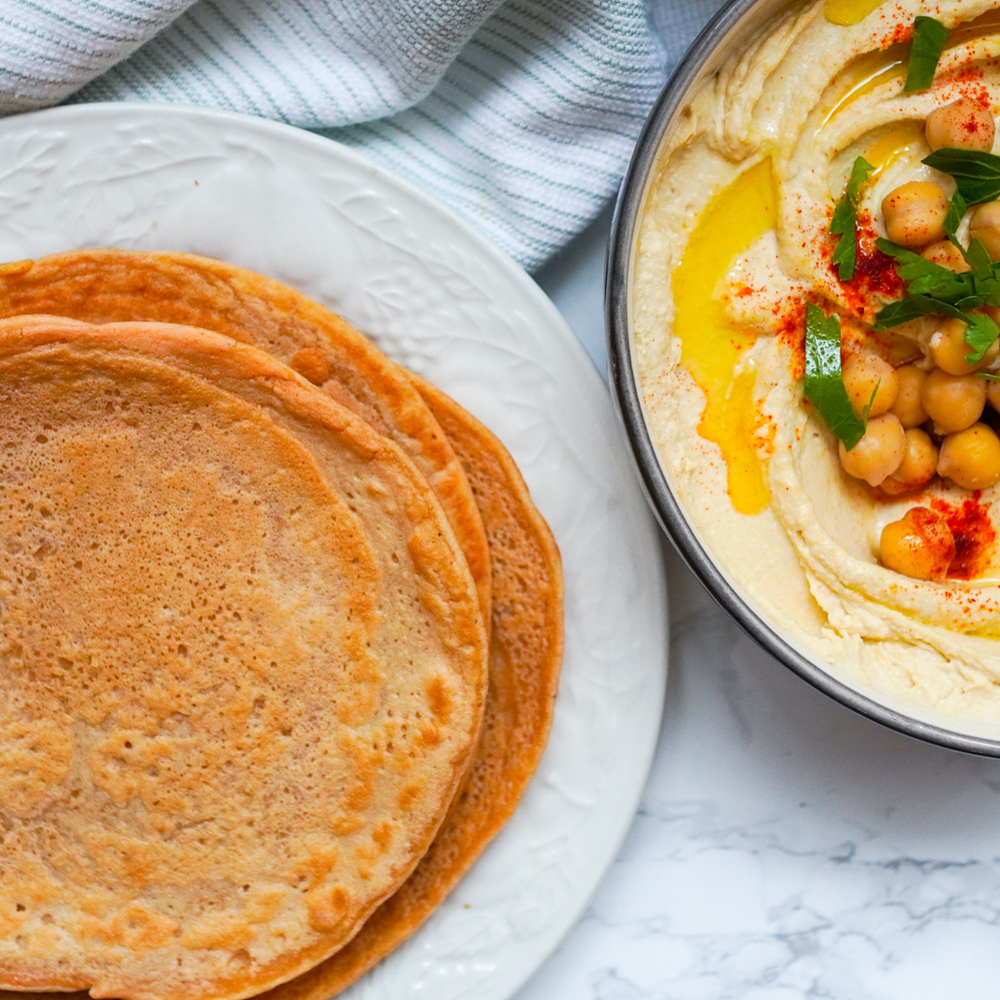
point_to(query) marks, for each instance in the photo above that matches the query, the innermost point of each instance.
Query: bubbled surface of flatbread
(244, 666)
(103, 286)
(526, 620)
(526, 648)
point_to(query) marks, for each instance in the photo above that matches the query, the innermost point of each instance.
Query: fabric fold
(521, 115)
(50, 48)
(312, 63)
(530, 128)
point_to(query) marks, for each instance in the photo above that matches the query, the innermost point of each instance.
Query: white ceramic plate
(435, 295)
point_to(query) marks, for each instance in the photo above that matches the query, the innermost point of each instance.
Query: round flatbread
(526, 625)
(104, 286)
(526, 647)
(244, 664)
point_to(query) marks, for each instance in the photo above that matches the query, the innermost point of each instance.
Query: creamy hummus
(733, 241)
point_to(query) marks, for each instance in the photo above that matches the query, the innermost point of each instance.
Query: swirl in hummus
(734, 243)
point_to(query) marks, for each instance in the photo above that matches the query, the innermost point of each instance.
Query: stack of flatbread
(280, 631)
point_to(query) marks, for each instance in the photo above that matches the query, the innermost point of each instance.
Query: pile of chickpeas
(924, 418)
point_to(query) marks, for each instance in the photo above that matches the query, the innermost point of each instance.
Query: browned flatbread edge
(106, 285)
(526, 647)
(195, 344)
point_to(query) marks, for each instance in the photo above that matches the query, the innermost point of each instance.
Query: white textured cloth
(520, 114)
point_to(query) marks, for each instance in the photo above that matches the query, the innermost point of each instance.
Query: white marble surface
(785, 848)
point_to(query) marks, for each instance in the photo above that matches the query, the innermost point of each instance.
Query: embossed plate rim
(119, 188)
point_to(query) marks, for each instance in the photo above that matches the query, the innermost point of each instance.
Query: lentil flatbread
(106, 286)
(526, 625)
(245, 664)
(526, 646)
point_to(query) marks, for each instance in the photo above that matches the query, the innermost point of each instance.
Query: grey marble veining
(785, 847)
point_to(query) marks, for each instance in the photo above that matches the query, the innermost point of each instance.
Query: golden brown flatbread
(104, 286)
(244, 664)
(526, 622)
(526, 646)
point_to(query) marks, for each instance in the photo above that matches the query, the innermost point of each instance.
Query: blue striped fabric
(519, 114)
(530, 129)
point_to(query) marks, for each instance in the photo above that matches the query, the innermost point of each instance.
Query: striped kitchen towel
(519, 114)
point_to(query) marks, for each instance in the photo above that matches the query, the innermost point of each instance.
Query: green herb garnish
(932, 289)
(924, 277)
(956, 212)
(845, 220)
(867, 408)
(929, 37)
(966, 290)
(976, 173)
(977, 179)
(913, 307)
(989, 376)
(824, 386)
(980, 335)
(979, 260)
(980, 331)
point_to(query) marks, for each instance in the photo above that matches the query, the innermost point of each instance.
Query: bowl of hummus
(804, 338)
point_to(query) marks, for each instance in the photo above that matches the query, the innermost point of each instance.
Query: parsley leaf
(932, 289)
(824, 386)
(845, 220)
(980, 286)
(929, 36)
(913, 307)
(987, 292)
(871, 402)
(980, 331)
(976, 173)
(956, 212)
(978, 258)
(980, 335)
(923, 277)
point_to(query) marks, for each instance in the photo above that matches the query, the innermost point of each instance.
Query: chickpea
(878, 453)
(946, 254)
(984, 225)
(949, 349)
(919, 545)
(993, 394)
(963, 124)
(990, 357)
(914, 214)
(953, 402)
(918, 467)
(869, 379)
(908, 408)
(971, 458)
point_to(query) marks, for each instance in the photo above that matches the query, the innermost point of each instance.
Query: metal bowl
(727, 31)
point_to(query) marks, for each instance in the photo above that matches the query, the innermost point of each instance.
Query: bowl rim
(625, 391)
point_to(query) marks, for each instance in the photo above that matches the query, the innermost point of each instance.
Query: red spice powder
(970, 82)
(972, 128)
(896, 34)
(790, 329)
(765, 430)
(874, 273)
(975, 536)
